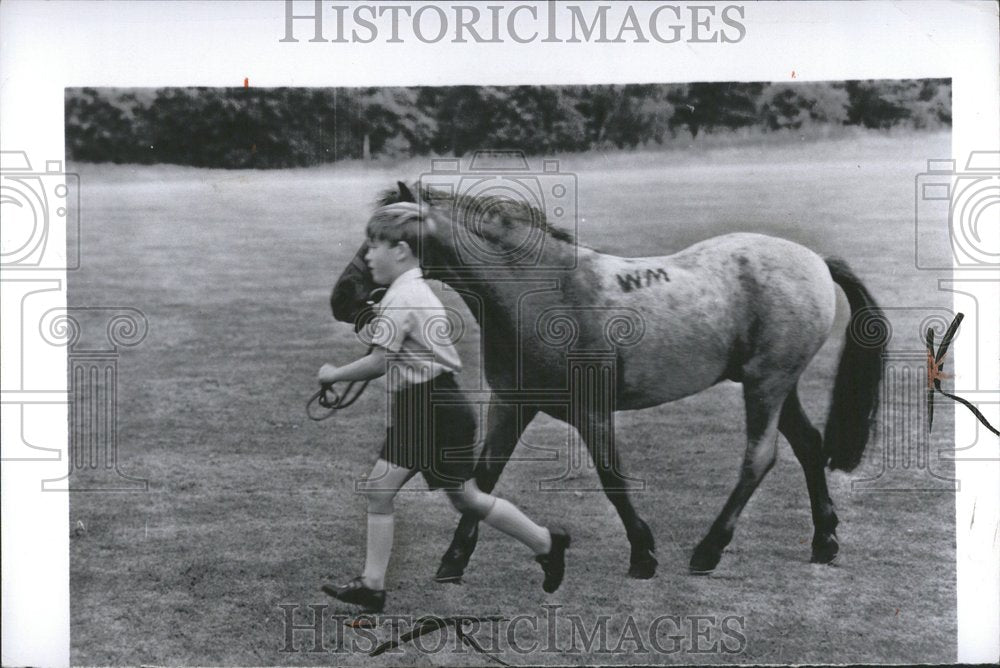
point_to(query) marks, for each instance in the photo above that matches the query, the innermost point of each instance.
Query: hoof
(643, 569)
(704, 560)
(825, 549)
(449, 573)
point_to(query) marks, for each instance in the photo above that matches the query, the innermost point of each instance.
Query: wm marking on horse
(633, 281)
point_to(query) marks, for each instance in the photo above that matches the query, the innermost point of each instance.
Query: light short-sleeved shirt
(412, 325)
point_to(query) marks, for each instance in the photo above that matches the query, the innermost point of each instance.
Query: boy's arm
(368, 367)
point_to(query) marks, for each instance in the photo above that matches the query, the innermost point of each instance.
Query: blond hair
(396, 222)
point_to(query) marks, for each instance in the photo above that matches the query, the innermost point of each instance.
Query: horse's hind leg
(807, 444)
(504, 425)
(763, 405)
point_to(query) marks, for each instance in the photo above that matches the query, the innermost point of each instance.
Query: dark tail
(856, 389)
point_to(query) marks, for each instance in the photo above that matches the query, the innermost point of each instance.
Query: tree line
(289, 127)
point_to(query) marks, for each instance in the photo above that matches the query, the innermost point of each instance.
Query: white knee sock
(507, 518)
(379, 549)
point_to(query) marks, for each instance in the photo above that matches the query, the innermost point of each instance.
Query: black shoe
(554, 563)
(355, 591)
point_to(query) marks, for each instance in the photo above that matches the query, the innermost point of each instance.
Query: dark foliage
(288, 127)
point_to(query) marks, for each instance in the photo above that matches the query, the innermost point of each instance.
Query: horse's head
(463, 235)
(356, 293)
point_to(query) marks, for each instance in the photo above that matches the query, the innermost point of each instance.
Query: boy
(422, 428)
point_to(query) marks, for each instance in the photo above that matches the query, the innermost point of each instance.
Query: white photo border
(48, 47)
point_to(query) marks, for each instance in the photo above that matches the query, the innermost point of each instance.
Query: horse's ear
(404, 193)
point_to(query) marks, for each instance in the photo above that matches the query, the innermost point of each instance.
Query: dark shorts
(432, 429)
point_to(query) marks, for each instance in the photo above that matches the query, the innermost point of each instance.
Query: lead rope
(339, 401)
(935, 369)
(430, 623)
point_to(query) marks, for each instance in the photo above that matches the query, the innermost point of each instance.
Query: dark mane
(507, 211)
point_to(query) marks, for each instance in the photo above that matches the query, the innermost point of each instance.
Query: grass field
(252, 506)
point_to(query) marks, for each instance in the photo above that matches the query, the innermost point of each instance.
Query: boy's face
(386, 260)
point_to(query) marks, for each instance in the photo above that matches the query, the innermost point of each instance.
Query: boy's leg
(549, 546)
(502, 515)
(456, 436)
(380, 488)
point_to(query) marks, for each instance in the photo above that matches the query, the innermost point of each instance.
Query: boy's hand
(327, 374)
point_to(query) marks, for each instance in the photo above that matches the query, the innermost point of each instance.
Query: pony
(743, 307)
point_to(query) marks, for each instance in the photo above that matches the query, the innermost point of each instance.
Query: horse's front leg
(504, 425)
(763, 405)
(597, 431)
